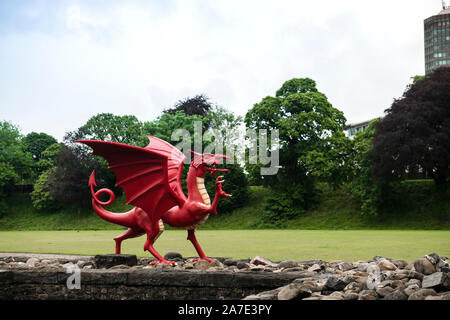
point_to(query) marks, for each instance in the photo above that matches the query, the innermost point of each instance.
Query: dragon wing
(150, 176)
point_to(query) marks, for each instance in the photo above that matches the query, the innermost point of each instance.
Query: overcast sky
(62, 62)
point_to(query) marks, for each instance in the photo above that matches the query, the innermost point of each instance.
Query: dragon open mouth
(213, 168)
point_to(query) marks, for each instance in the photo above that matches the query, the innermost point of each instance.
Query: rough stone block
(437, 279)
(111, 260)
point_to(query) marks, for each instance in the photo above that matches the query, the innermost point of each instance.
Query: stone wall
(118, 277)
(25, 280)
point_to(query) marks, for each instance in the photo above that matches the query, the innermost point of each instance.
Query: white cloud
(139, 57)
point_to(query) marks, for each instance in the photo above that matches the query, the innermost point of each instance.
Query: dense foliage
(414, 136)
(15, 161)
(309, 127)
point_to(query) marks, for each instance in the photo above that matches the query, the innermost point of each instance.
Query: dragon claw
(173, 263)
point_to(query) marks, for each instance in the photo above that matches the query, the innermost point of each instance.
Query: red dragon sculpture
(151, 179)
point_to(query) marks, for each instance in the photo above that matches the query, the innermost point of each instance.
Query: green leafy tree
(222, 121)
(167, 123)
(40, 196)
(125, 129)
(49, 157)
(308, 126)
(15, 161)
(37, 143)
(364, 186)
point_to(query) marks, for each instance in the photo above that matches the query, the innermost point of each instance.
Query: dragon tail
(125, 219)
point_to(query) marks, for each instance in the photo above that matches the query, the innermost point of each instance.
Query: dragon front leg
(219, 193)
(191, 237)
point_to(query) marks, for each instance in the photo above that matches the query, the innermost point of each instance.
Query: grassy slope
(337, 210)
(348, 245)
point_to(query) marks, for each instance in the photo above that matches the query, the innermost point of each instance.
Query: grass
(347, 245)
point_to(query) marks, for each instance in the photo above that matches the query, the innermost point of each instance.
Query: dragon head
(207, 162)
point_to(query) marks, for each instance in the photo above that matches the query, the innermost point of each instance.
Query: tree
(37, 143)
(220, 120)
(15, 161)
(40, 196)
(49, 157)
(167, 123)
(68, 181)
(367, 189)
(125, 129)
(308, 125)
(415, 133)
(197, 105)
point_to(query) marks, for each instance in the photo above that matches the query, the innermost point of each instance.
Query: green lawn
(348, 245)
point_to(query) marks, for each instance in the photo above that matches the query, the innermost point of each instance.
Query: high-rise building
(437, 40)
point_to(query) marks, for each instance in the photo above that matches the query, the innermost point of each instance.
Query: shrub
(41, 197)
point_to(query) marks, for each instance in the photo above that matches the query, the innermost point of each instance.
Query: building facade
(437, 40)
(352, 128)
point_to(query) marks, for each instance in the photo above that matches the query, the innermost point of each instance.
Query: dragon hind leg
(191, 237)
(152, 235)
(129, 233)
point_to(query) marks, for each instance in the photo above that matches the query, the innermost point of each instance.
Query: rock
(443, 266)
(424, 266)
(335, 284)
(421, 294)
(433, 298)
(445, 295)
(368, 295)
(398, 294)
(173, 256)
(216, 263)
(242, 265)
(354, 286)
(257, 268)
(386, 265)
(345, 266)
(201, 264)
(414, 274)
(433, 258)
(410, 290)
(384, 291)
(332, 298)
(410, 266)
(32, 262)
(262, 261)
(294, 291)
(230, 262)
(288, 264)
(351, 296)
(436, 280)
(265, 295)
(120, 266)
(111, 260)
(401, 264)
(82, 263)
(315, 286)
(398, 284)
(413, 282)
(314, 267)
